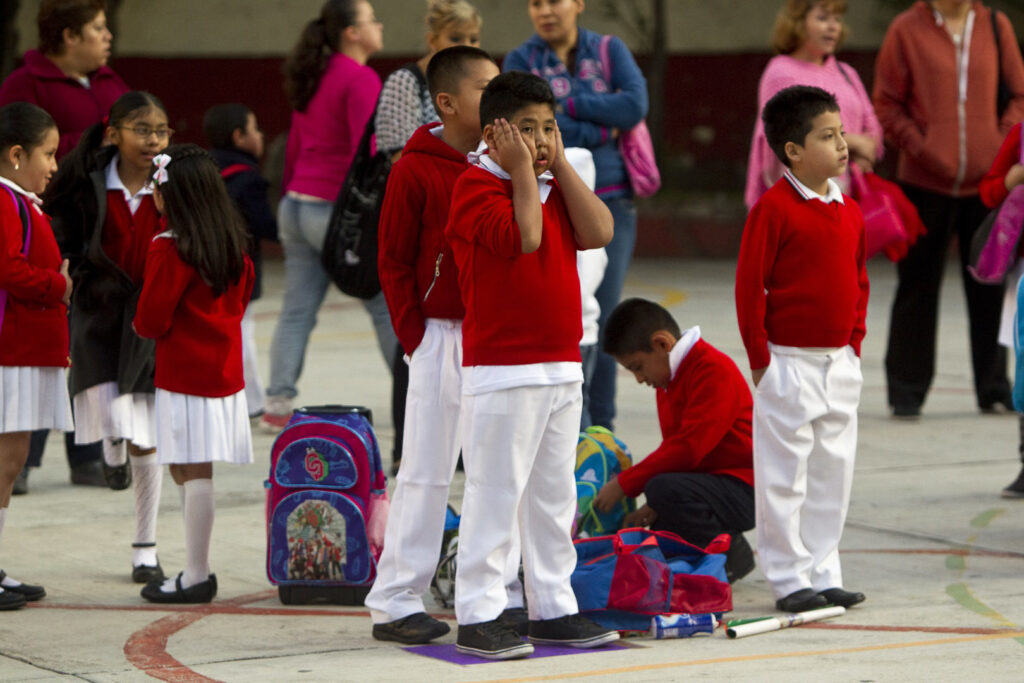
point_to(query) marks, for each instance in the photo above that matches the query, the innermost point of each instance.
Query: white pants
(519, 452)
(412, 541)
(250, 366)
(805, 441)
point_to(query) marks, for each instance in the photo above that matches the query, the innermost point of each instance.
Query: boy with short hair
(517, 219)
(420, 283)
(236, 144)
(699, 482)
(801, 300)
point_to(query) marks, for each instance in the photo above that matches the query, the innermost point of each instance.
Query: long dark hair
(207, 227)
(319, 40)
(23, 124)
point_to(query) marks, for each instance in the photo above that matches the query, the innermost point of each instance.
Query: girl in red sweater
(197, 284)
(34, 292)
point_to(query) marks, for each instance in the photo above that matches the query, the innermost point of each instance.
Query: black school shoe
(414, 629)
(201, 592)
(118, 477)
(572, 630)
(1016, 489)
(801, 601)
(491, 640)
(739, 560)
(842, 598)
(88, 474)
(145, 573)
(10, 600)
(29, 592)
(516, 619)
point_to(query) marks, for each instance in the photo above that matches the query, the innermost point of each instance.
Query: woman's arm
(892, 94)
(627, 103)
(1012, 69)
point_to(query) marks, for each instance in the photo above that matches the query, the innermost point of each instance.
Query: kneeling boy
(699, 481)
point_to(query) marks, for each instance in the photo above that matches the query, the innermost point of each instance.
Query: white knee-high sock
(115, 452)
(199, 508)
(147, 479)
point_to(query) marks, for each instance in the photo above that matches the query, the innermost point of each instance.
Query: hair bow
(160, 175)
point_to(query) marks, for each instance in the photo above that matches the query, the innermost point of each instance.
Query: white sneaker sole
(583, 644)
(515, 652)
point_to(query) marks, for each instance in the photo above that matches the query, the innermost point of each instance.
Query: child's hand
(645, 516)
(610, 494)
(510, 146)
(756, 375)
(1014, 177)
(558, 161)
(67, 283)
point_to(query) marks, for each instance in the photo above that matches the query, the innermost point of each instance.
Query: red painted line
(147, 649)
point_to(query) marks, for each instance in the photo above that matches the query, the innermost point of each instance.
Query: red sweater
(416, 265)
(34, 331)
(126, 237)
(992, 188)
(73, 106)
(520, 308)
(809, 256)
(704, 415)
(916, 98)
(198, 336)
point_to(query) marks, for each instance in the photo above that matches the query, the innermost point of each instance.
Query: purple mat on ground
(448, 653)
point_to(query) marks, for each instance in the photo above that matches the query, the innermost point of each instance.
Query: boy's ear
(445, 103)
(793, 151)
(662, 340)
(488, 135)
(236, 136)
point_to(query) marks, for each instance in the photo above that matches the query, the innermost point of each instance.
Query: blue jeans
(620, 252)
(303, 225)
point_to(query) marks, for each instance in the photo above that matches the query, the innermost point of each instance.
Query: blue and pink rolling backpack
(326, 506)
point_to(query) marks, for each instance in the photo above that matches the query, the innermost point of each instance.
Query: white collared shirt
(834, 194)
(34, 201)
(480, 158)
(114, 183)
(682, 348)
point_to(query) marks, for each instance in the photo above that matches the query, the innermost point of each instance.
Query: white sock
(147, 480)
(115, 452)
(199, 508)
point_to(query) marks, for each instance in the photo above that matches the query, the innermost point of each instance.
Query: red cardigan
(35, 324)
(126, 237)
(520, 308)
(73, 106)
(416, 265)
(800, 278)
(198, 336)
(704, 415)
(992, 188)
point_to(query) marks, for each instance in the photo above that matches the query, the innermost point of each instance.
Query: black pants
(77, 454)
(910, 357)
(700, 506)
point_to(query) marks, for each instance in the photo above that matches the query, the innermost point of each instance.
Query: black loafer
(27, 591)
(118, 478)
(11, 600)
(801, 601)
(145, 573)
(201, 592)
(842, 598)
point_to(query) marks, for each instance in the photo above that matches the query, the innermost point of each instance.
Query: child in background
(197, 285)
(517, 220)
(801, 300)
(420, 282)
(236, 143)
(1007, 173)
(699, 481)
(104, 218)
(35, 289)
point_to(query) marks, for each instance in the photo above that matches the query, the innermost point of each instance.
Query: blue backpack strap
(26, 239)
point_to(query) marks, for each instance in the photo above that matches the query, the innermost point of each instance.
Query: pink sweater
(324, 138)
(855, 109)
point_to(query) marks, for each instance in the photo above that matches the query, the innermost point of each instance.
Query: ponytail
(320, 38)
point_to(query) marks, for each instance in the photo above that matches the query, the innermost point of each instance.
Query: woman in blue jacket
(590, 114)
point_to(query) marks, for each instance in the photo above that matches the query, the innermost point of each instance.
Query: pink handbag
(635, 144)
(994, 245)
(883, 224)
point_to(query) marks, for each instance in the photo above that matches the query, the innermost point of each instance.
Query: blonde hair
(788, 34)
(443, 13)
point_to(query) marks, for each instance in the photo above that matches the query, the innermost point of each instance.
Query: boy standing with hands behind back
(801, 300)
(517, 219)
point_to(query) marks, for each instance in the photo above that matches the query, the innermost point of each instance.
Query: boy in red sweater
(699, 482)
(420, 283)
(801, 299)
(517, 219)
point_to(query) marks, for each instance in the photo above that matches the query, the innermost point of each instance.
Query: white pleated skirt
(34, 398)
(103, 413)
(196, 429)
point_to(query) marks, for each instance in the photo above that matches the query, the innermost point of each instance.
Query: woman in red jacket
(34, 292)
(936, 84)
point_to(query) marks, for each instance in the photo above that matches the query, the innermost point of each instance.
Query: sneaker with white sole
(492, 640)
(276, 414)
(572, 630)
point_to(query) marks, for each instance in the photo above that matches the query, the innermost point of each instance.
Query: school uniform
(521, 397)
(202, 415)
(420, 283)
(801, 300)
(33, 325)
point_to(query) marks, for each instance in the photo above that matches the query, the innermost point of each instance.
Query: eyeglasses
(146, 131)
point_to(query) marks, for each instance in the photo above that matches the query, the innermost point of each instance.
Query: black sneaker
(414, 629)
(491, 640)
(1016, 489)
(739, 560)
(516, 619)
(573, 630)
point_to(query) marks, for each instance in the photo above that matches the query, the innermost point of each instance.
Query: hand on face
(512, 150)
(558, 161)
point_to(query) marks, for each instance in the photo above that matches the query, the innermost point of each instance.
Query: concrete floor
(937, 551)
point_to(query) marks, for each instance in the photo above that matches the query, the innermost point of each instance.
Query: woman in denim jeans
(333, 94)
(590, 114)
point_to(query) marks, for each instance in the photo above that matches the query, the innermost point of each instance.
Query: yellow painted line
(669, 296)
(762, 657)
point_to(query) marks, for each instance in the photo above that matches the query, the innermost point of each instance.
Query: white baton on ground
(756, 626)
